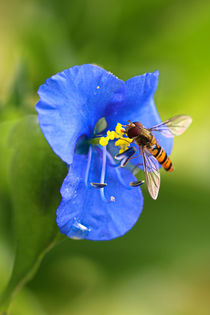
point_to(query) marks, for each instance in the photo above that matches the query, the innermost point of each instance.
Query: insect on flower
(78, 112)
(151, 151)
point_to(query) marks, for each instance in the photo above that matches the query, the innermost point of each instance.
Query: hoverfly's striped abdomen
(161, 157)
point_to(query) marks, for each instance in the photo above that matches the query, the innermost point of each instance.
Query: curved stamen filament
(88, 165)
(103, 154)
(103, 172)
(117, 171)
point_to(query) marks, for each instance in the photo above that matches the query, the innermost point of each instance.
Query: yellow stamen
(111, 135)
(119, 129)
(119, 134)
(122, 150)
(123, 143)
(103, 141)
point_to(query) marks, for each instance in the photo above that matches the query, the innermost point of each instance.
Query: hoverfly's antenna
(130, 124)
(122, 129)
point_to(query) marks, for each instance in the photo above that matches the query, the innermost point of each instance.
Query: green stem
(94, 141)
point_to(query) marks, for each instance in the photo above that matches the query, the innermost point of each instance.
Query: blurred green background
(162, 266)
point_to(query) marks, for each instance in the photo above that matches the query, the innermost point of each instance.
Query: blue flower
(71, 103)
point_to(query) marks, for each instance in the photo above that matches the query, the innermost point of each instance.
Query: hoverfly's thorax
(142, 140)
(153, 140)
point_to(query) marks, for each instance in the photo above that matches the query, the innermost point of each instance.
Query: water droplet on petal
(79, 230)
(112, 199)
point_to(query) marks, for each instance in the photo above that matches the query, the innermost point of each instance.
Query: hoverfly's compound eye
(134, 129)
(138, 124)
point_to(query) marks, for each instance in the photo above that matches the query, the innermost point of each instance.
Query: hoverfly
(152, 153)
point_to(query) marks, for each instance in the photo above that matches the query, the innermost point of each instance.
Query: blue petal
(84, 214)
(71, 102)
(139, 106)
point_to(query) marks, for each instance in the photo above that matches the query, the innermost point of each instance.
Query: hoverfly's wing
(152, 174)
(174, 126)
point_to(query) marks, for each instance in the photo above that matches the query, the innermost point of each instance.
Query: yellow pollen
(122, 150)
(122, 141)
(119, 129)
(103, 141)
(111, 135)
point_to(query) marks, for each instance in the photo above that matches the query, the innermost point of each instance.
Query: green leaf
(19, 88)
(100, 126)
(5, 158)
(36, 175)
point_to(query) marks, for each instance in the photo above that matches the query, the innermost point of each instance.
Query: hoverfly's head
(133, 129)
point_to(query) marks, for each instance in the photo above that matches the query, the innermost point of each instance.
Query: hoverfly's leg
(121, 138)
(139, 164)
(139, 182)
(134, 171)
(135, 167)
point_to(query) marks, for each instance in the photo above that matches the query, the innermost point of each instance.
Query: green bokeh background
(162, 266)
